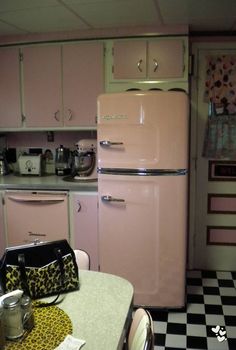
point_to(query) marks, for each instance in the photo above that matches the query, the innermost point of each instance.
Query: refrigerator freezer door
(142, 235)
(143, 130)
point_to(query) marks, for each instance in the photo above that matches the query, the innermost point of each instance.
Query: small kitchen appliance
(30, 164)
(63, 160)
(4, 169)
(84, 160)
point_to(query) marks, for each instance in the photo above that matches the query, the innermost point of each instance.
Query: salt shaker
(27, 313)
(2, 331)
(12, 316)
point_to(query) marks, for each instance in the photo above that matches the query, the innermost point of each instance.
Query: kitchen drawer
(38, 215)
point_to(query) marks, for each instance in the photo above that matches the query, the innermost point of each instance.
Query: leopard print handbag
(40, 270)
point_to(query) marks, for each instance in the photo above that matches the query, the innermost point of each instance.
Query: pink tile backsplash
(39, 139)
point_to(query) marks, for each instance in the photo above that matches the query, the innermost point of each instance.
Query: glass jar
(2, 331)
(12, 316)
(27, 313)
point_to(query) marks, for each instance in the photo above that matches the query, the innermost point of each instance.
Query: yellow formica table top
(100, 311)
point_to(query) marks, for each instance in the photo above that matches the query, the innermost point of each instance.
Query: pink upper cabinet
(82, 82)
(61, 84)
(10, 109)
(165, 59)
(42, 86)
(129, 60)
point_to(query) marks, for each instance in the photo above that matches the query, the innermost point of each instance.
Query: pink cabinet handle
(139, 65)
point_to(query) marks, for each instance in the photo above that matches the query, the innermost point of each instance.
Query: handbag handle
(21, 262)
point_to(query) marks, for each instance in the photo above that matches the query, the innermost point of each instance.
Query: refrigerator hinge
(3, 200)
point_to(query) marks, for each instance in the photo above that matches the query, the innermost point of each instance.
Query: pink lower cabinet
(36, 215)
(84, 226)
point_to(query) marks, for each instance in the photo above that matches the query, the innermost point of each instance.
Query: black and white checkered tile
(209, 321)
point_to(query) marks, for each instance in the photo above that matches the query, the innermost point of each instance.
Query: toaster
(30, 164)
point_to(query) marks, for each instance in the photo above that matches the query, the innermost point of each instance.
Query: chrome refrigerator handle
(106, 143)
(108, 198)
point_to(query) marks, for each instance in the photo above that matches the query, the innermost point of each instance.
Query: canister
(2, 331)
(12, 316)
(27, 313)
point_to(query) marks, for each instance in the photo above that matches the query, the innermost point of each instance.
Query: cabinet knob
(69, 114)
(155, 65)
(139, 65)
(79, 207)
(57, 115)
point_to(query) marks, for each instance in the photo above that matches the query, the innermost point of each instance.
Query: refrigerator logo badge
(116, 117)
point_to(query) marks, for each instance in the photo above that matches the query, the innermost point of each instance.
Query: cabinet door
(165, 59)
(82, 82)
(10, 109)
(42, 86)
(129, 59)
(34, 216)
(84, 214)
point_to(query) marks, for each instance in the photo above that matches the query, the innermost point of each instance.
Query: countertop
(45, 182)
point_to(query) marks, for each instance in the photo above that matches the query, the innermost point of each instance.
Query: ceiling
(21, 17)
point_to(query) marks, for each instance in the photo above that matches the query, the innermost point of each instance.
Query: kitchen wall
(42, 139)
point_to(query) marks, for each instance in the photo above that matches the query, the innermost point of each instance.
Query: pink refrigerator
(143, 192)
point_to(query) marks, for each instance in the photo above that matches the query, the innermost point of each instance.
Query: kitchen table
(100, 311)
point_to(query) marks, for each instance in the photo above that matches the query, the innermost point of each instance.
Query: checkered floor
(210, 318)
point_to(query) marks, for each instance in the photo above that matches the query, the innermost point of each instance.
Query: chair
(82, 259)
(141, 336)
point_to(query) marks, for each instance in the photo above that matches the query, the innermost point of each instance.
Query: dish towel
(71, 343)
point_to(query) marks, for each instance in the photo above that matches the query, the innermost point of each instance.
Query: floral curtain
(220, 94)
(220, 138)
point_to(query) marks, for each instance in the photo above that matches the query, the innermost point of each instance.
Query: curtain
(220, 138)
(220, 84)
(220, 94)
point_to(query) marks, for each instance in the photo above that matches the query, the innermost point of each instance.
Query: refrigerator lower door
(142, 235)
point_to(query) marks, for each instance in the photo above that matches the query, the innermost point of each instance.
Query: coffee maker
(84, 166)
(63, 160)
